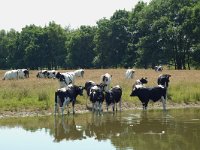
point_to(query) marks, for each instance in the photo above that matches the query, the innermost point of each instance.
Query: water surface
(139, 130)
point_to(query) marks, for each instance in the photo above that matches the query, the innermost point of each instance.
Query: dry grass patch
(34, 93)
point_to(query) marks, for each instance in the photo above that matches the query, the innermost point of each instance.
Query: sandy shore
(83, 109)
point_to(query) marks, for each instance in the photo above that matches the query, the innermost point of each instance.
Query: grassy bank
(38, 94)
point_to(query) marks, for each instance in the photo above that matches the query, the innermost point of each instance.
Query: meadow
(35, 94)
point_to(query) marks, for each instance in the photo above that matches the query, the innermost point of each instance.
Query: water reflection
(66, 128)
(176, 129)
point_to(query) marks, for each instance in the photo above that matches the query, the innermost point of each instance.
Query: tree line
(163, 32)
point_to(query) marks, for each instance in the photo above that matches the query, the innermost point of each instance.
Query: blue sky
(17, 14)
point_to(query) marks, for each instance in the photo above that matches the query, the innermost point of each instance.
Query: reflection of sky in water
(19, 139)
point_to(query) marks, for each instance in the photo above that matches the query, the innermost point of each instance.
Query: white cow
(16, 74)
(68, 77)
(106, 80)
(130, 73)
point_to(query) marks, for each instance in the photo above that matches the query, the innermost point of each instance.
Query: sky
(16, 14)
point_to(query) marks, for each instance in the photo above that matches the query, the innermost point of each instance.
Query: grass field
(38, 94)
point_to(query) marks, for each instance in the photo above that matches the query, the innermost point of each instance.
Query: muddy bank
(83, 109)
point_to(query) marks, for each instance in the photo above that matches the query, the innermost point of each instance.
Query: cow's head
(106, 78)
(164, 80)
(79, 90)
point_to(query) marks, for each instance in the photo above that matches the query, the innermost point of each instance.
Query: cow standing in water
(64, 96)
(113, 96)
(150, 93)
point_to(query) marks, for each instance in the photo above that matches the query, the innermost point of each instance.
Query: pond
(139, 130)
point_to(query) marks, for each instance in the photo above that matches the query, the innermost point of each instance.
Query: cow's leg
(66, 101)
(107, 106)
(93, 107)
(120, 104)
(56, 105)
(63, 107)
(145, 104)
(73, 103)
(113, 107)
(100, 108)
(97, 107)
(164, 103)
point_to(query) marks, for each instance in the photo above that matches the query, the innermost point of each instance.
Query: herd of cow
(97, 92)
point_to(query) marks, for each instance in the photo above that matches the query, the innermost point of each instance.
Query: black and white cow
(150, 93)
(16, 74)
(42, 74)
(68, 77)
(113, 96)
(90, 84)
(96, 97)
(163, 80)
(66, 95)
(106, 80)
(158, 68)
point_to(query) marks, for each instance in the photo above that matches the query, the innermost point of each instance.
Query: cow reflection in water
(65, 128)
(147, 123)
(104, 127)
(113, 127)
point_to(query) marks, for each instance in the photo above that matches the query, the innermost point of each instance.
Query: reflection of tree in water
(65, 128)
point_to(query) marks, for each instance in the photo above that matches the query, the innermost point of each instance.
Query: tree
(80, 47)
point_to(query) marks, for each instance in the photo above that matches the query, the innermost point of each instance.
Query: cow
(96, 97)
(89, 85)
(158, 68)
(64, 96)
(68, 77)
(129, 73)
(151, 93)
(42, 74)
(106, 80)
(23, 73)
(46, 74)
(163, 80)
(113, 96)
(16, 74)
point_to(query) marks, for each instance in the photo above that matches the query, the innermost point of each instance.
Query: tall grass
(38, 94)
